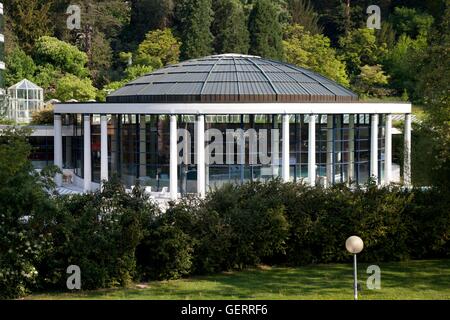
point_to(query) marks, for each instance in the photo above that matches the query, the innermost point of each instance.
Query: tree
(102, 24)
(401, 63)
(159, 49)
(20, 66)
(149, 15)
(434, 88)
(46, 76)
(136, 71)
(371, 81)
(313, 52)
(62, 55)
(230, 27)
(194, 22)
(359, 48)
(22, 201)
(411, 22)
(30, 20)
(302, 13)
(131, 73)
(266, 36)
(101, 59)
(71, 87)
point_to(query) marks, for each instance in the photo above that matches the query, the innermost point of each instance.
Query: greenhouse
(228, 118)
(24, 98)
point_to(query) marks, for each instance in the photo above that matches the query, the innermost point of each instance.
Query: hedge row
(116, 237)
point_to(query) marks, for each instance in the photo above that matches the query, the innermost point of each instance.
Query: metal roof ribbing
(232, 78)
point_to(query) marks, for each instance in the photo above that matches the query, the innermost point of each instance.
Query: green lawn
(407, 280)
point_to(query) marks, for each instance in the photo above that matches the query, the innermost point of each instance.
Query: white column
(87, 153)
(104, 148)
(330, 126)
(312, 150)
(351, 147)
(374, 146)
(407, 152)
(285, 149)
(57, 157)
(388, 150)
(200, 148)
(142, 147)
(173, 158)
(275, 148)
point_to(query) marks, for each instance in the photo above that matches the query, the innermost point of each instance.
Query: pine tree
(302, 13)
(265, 31)
(29, 20)
(194, 19)
(230, 28)
(149, 15)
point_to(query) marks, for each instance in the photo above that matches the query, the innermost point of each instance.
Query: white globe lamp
(354, 245)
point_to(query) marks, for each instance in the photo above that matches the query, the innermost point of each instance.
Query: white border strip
(233, 108)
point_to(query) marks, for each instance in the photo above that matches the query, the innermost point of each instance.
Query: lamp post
(354, 245)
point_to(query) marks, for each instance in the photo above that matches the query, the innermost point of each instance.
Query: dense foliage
(23, 200)
(117, 237)
(154, 33)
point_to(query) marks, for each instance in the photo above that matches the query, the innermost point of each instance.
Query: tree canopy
(194, 27)
(120, 40)
(230, 27)
(313, 52)
(266, 35)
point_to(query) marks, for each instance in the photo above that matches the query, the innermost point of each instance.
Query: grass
(426, 279)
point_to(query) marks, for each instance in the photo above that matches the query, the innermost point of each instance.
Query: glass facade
(241, 148)
(42, 151)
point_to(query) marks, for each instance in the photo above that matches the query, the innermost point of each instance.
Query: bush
(22, 201)
(167, 250)
(99, 232)
(116, 237)
(44, 116)
(257, 225)
(166, 253)
(427, 219)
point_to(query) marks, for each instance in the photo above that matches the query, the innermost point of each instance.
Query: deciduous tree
(313, 52)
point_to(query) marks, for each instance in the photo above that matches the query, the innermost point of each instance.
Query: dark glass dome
(232, 78)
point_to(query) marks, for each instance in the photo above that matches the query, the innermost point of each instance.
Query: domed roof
(231, 78)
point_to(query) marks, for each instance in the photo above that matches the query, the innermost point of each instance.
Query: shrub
(167, 250)
(427, 219)
(99, 232)
(166, 253)
(258, 228)
(23, 199)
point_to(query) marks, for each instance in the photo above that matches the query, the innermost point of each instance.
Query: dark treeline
(374, 63)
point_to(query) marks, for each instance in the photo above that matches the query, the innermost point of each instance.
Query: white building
(319, 131)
